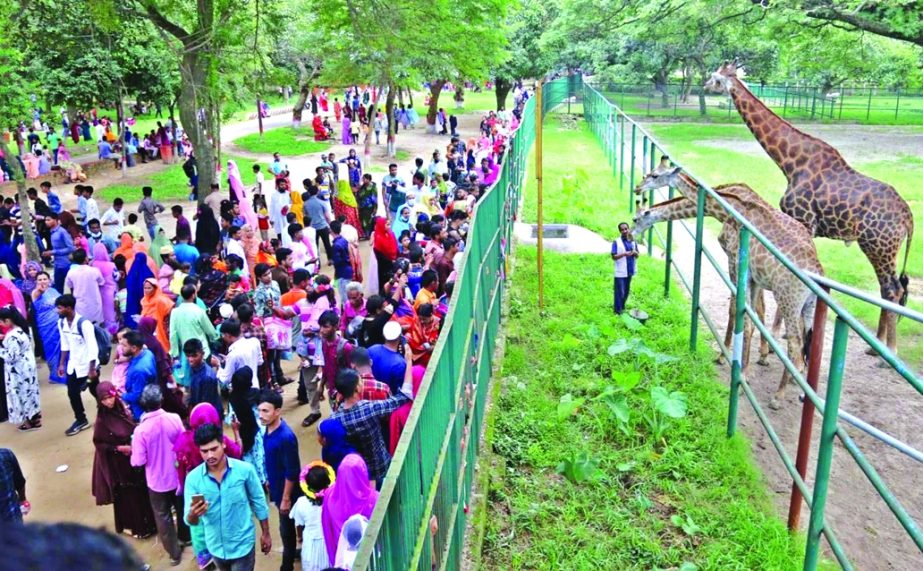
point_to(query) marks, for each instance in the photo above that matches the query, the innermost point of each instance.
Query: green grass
(170, 184)
(578, 184)
(284, 140)
(623, 519)
(693, 146)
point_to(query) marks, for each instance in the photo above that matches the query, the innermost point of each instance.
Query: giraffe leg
(760, 309)
(794, 337)
(883, 257)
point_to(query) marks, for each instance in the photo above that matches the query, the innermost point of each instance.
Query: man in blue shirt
(280, 446)
(342, 267)
(388, 364)
(222, 494)
(53, 200)
(395, 191)
(142, 370)
(186, 253)
(61, 248)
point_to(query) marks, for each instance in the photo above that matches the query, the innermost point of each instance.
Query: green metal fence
(632, 153)
(872, 105)
(433, 466)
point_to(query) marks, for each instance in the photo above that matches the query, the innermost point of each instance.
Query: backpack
(103, 342)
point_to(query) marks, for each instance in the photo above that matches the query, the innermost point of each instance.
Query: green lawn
(578, 184)
(170, 184)
(691, 500)
(284, 140)
(717, 165)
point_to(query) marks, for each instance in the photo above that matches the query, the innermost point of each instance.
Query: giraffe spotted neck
(792, 150)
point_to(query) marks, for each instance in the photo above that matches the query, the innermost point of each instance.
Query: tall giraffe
(829, 197)
(796, 302)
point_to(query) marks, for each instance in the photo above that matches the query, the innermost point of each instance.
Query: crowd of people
(182, 342)
(43, 147)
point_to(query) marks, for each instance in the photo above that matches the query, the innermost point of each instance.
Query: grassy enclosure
(709, 151)
(609, 436)
(582, 480)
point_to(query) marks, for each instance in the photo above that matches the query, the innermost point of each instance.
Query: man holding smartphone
(223, 494)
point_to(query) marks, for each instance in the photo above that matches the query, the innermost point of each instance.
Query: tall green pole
(697, 277)
(740, 307)
(669, 256)
(622, 159)
(631, 176)
(825, 450)
(650, 197)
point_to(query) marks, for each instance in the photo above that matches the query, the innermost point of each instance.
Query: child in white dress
(315, 478)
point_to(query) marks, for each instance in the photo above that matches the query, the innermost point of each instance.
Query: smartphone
(198, 498)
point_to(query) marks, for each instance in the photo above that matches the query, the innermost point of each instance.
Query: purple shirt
(183, 228)
(152, 447)
(86, 283)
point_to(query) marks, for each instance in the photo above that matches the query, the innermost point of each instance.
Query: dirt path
(869, 532)
(66, 496)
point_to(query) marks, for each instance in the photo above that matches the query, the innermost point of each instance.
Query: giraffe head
(664, 175)
(720, 81)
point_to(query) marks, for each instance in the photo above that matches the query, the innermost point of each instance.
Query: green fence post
(622, 157)
(615, 146)
(697, 276)
(669, 253)
(868, 111)
(740, 307)
(652, 163)
(897, 104)
(785, 101)
(631, 176)
(842, 97)
(825, 450)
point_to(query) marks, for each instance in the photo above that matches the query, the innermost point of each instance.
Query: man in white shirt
(235, 247)
(79, 353)
(113, 221)
(242, 352)
(260, 179)
(92, 207)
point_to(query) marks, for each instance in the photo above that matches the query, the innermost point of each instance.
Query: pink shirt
(152, 447)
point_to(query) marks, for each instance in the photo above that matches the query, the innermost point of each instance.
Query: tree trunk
(298, 109)
(389, 111)
(502, 88)
(373, 108)
(435, 88)
(193, 95)
(32, 253)
(410, 96)
(459, 95)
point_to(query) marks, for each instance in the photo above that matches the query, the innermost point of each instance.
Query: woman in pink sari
(240, 193)
(251, 243)
(351, 494)
(105, 266)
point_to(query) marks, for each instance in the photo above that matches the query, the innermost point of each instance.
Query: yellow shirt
(425, 296)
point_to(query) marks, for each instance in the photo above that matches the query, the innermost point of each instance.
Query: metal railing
(872, 105)
(632, 151)
(433, 466)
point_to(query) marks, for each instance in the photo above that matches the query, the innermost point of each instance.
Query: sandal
(29, 426)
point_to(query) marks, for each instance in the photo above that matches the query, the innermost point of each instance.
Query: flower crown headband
(311, 494)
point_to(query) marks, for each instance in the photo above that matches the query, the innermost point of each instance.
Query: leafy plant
(666, 406)
(579, 468)
(631, 323)
(618, 405)
(637, 347)
(568, 406)
(688, 526)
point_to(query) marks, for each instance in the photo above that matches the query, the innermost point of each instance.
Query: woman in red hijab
(384, 246)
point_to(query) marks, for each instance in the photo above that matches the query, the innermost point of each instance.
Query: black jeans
(275, 365)
(289, 542)
(323, 235)
(75, 388)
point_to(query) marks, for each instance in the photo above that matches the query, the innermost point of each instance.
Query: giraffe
(729, 232)
(829, 197)
(796, 302)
